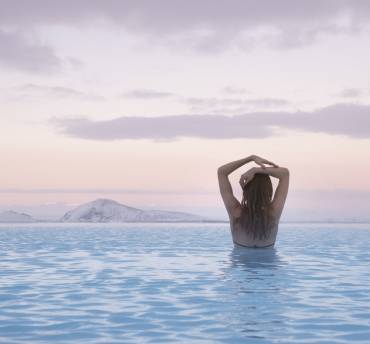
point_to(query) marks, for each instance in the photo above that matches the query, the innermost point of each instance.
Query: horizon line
(148, 191)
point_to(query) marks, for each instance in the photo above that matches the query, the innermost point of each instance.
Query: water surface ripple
(183, 283)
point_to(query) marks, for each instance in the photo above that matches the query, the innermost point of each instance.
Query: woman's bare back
(242, 237)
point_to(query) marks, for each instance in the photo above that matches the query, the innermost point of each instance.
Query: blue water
(183, 283)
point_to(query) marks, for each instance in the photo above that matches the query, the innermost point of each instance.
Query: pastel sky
(141, 101)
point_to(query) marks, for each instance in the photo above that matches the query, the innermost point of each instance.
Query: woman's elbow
(286, 171)
(220, 171)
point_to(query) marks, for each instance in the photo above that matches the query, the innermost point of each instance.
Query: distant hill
(12, 216)
(107, 210)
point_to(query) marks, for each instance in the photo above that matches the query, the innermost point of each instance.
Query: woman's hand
(247, 177)
(261, 161)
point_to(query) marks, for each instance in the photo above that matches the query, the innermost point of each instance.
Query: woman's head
(257, 196)
(258, 190)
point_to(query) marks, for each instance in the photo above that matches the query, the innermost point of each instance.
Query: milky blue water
(183, 283)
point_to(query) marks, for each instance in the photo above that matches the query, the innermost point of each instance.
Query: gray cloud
(197, 102)
(341, 119)
(207, 103)
(350, 93)
(19, 53)
(233, 90)
(207, 25)
(31, 90)
(147, 94)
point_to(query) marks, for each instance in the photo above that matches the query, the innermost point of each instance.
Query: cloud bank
(351, 93)
(32, 90)
(147, 94)
(205, 26)
(17, 52)
(166, 17)
(351, 120)
(197, 102)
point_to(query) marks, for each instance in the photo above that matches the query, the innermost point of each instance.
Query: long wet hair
(256, 202)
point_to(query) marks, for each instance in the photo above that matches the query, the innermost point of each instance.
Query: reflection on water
(255, 258)
(254, 279)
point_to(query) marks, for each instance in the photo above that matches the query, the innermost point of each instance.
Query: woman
(254, 221)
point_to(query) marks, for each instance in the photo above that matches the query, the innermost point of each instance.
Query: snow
(107, 210)
(12, 216)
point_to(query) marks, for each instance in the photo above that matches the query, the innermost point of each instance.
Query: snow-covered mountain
(13, 216)
(106, 210)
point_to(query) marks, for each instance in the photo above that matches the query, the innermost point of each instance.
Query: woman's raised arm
(277, 172)
(232, 166)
